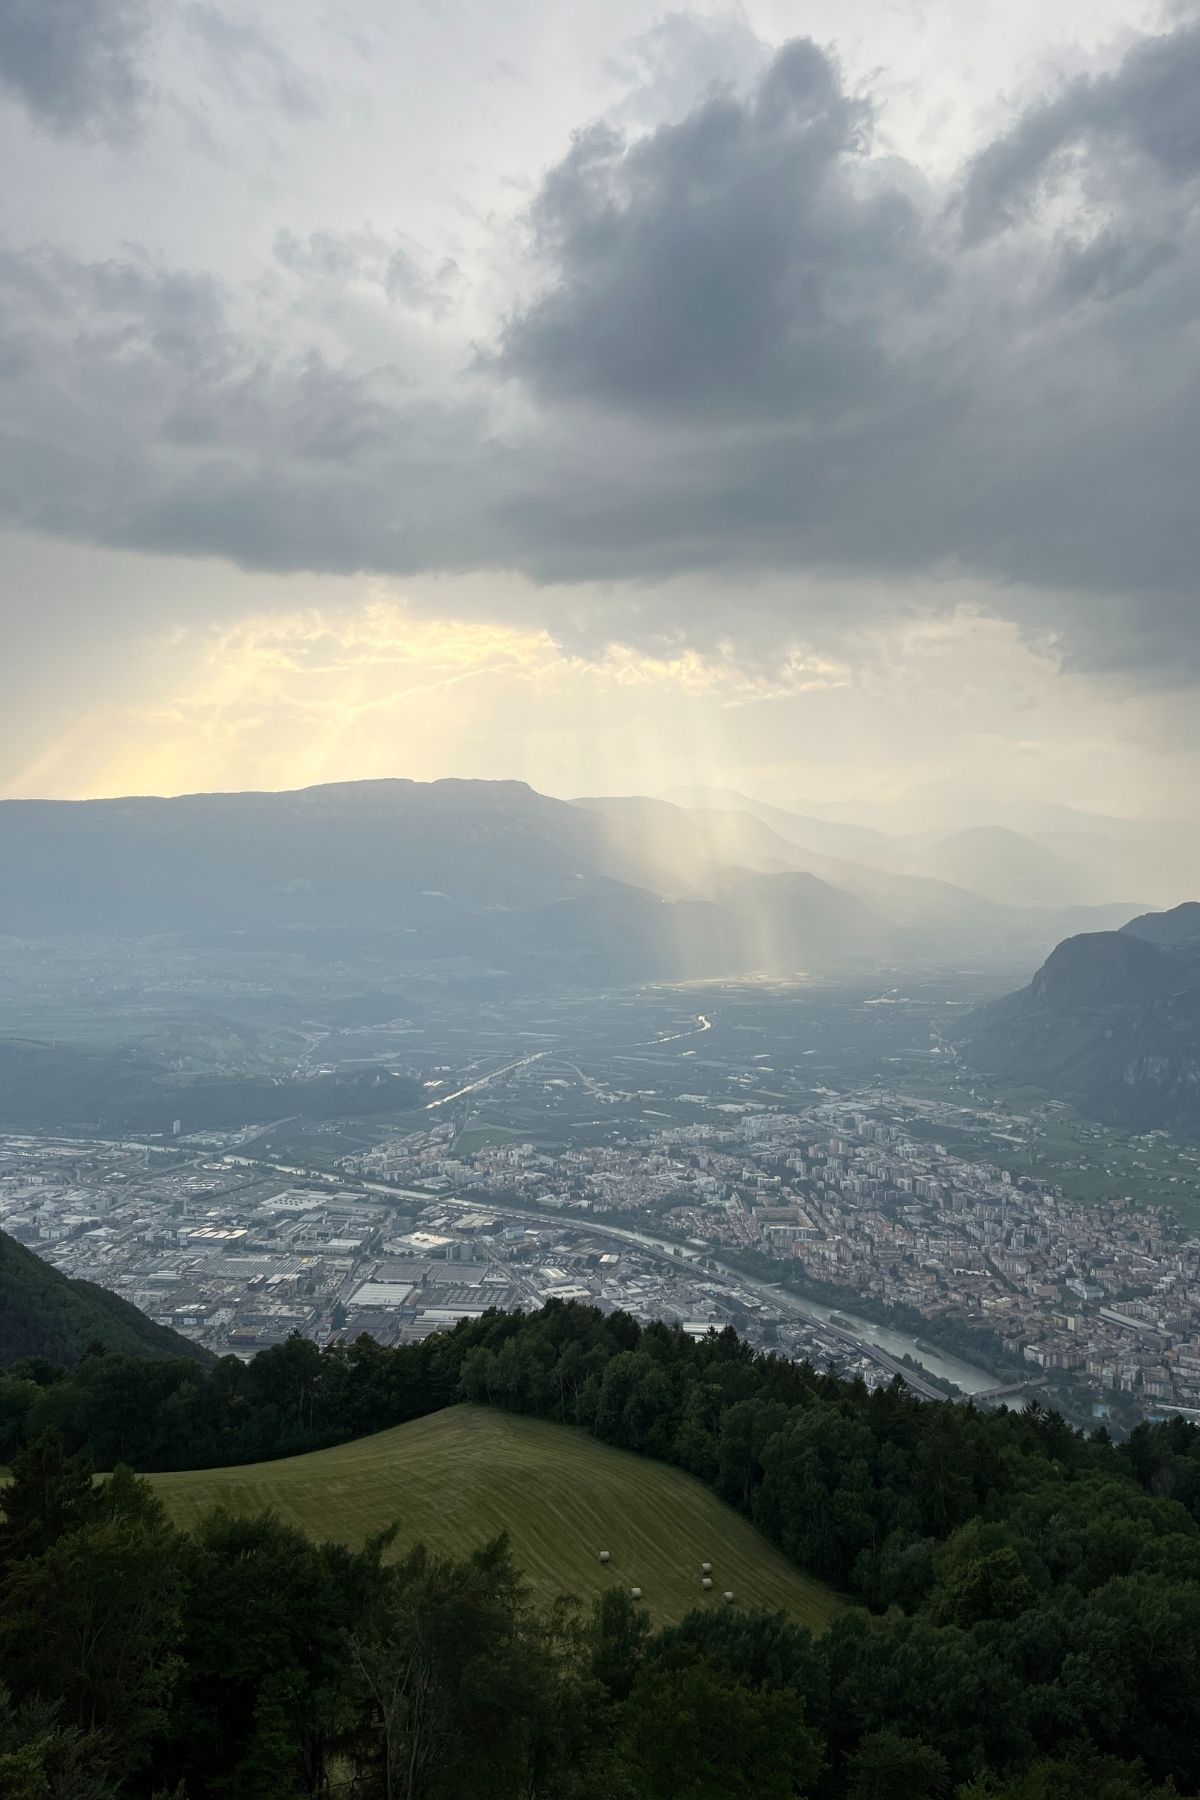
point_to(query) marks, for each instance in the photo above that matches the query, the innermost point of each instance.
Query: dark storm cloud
(76, 64)
(133, 413)
(780, 353)
(728, 265)
(1149, 106)
(753, 347)
(79, 66)
(1110, 265)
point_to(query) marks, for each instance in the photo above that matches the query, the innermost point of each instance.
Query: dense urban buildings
(855, 1195)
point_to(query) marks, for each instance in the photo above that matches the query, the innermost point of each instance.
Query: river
(965, 1375)
(940, 1363)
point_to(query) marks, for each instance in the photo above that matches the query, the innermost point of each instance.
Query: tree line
(1028, 1598)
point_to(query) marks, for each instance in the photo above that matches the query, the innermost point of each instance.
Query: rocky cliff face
(1110, 1022)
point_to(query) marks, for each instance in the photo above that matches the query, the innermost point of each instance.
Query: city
(851, 1229)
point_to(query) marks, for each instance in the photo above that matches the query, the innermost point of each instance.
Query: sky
(796, 398)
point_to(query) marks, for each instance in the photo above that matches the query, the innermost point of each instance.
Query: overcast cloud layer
(769, 341)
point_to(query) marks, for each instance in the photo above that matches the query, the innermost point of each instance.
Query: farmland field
(459, 1477)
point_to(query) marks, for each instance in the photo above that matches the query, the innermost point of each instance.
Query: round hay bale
(706, 1583)
(636, 1593)
(605, 1557)
(727, 1596)
(706, 1568)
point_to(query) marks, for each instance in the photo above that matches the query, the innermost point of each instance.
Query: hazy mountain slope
(1110, 1022)
(484, 875)
(613, 934)
(756, 924)
(926, 912)
(681, 848)
(353, 854)
(1008, 866)
(794, 921)
(829, 837)
(43, 1313)
(1178, 929)
(700, 845)
(122, 1090)
(489, 871)
(995, 862)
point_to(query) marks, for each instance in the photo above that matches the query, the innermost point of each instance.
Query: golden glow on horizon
(960, 709)
(289, 699)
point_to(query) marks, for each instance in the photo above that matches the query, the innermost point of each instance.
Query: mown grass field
(458, 1478)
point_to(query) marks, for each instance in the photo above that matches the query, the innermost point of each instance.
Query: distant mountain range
(1110, 1022)
(46, 1314)
(508, 879)
(1071, 860)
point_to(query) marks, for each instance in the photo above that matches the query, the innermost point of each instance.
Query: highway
(484, 1080)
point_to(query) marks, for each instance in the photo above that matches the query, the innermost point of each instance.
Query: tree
(265, 1684)
(127, 1496)
(745, 1428)
(448, 1675)
(937, 1684)
(692, 1733)
(1131, 1677)
(17, 1395)
(619, 1634)
(287, 1379)
(94, 1622)
(40, 1760)
(466, 1689)
(758, 1649)
(816, 1498)
(269, 1770)
(887, 1766)
(994, 1586)
(49, 1495)
(1084, 1776)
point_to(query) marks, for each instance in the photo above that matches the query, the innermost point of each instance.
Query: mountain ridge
(1110, 1022)
(1054, 866)
(463, 868)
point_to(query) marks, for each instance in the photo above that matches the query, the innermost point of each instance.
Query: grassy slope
(459, 1477)
(45, 1313)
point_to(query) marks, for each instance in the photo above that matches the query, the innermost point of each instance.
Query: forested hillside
(1028, 1618)
(45, 1314)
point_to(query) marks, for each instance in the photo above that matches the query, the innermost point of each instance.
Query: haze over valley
(485, 994)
